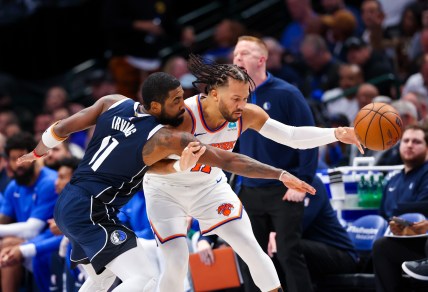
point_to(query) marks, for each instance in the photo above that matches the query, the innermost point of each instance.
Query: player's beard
(164, 119)
(25, 177)
(415, 161)
(226, 115)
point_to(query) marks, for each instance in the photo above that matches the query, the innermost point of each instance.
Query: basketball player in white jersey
(217, 118)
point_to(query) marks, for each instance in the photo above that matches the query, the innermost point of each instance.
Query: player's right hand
(29, 157)
(292, 182)
(190, 155)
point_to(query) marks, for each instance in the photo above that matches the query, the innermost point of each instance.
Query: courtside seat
(363, 233)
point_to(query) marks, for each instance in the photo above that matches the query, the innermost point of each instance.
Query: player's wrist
(281, 174)
(50, 139)
(38, 155)
(176, 166)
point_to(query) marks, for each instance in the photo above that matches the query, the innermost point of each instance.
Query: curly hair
(157, 87)
(212, 75)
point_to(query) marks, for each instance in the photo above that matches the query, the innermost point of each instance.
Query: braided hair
(213, 75)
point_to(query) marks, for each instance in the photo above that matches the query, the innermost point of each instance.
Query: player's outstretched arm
(60, 130)
(168, 141)
(297, 137)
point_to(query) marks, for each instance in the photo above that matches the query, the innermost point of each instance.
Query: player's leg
(135, 270)
(238, 234)
(175, 264)
(97, 283)
(168, 217)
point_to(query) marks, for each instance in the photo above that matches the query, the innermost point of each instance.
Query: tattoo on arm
(167, 138)
(249, 167)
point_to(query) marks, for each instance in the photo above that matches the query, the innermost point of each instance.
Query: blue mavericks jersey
(36, 201)
(112, 168)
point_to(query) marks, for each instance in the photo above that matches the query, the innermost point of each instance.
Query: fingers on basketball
(378, 126)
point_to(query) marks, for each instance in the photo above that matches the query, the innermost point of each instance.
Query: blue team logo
(232, 125)
(117, 237)
(267, 106)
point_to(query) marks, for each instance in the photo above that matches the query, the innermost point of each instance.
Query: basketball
(378, 126)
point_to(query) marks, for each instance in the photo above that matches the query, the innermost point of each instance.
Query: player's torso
(114, 154)
(223, 137)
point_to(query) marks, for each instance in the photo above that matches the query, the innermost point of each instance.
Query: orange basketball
(378, 126)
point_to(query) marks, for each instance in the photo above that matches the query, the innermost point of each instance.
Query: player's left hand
(294, 196)
(347, 135)
(190, 155)
(292, 182)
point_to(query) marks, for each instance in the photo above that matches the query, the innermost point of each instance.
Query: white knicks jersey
(223, 137)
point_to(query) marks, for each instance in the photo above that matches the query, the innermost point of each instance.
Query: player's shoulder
(108, 101)
(252, 109)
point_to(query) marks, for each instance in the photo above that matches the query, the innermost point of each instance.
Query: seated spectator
(420, 104)
(41, 123)
(7, 118)
(418, 82)
(341, 25)
(28, 203)
(374, 64)
(406, 191)
(302, 15)
(56, 154)
(276, 66)
(325, 242)
(55, 98)
(373, 16)
(366, 94)
(342, 100)
(226, 34)
(390, 253)
(323, 68)
(187, 84)
(100, 83)
(331, 6)
(176, 66)
(408, 45)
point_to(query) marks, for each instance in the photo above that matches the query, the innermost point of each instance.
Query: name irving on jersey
(123, 125)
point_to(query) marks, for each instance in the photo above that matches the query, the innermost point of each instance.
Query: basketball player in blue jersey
(218, 117)
(127, 139)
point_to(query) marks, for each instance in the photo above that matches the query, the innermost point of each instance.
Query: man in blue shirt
(29, 201)
(263, 199)
(406, 192)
